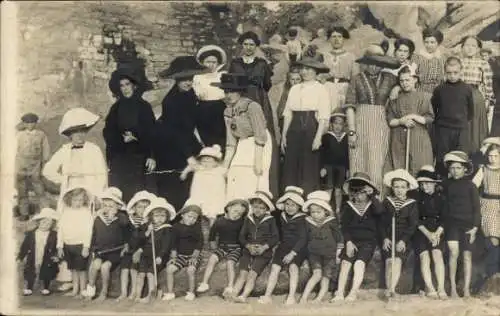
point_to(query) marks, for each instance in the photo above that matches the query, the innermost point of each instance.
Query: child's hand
(158, 261)
(289, 257)
(400, 246)
(54, 259)
(350, 249)
(128, 137)
(60, 253)
(283, 143)
(472, 233)
(124, 251)
(85, 252)
(193, 260)
(257, 167)
(387, 244)
(322, 172)
(352, 139)
(136, 257)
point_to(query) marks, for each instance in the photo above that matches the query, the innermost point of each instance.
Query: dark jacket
(162, 241)
(322, 238)
(334, 152)
(49, 268)
(293, 232)
(259, 231)
(186, 239)
(109, 235)
(462, 203)
(227, 231)
(364, 228)
(431, 210)
(406, 219)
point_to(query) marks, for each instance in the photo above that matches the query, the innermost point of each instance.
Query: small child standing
(360, 228)
(209, 183)
(155, 235)
(135, 208)
(108, 241)
(74, 235)
(291, 249)
(463, 216)
(335, 157)
(323, 239)
(187, 242)
(294, 45)
(33, 151)
(453, 107)
(226, 229)
(488, 179)
(258, 237)
(429, 236)
(405, 211)
(39, 249)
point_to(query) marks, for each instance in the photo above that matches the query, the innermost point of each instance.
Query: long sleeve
(470, 105)
(274, 233)
(146, 130)
(268, 73)
(476, 206)
(412, 223)
(324, 150)
(428, 112)
(390, 111)
(198, 236)
(87, 236)
(101, 176)
(435, 101)
(244, 233)
(351, 98)
(335, 227)
(487, 81)
(165, 243)
(292, 95)
(302, 237)
(214, 230)
(52, 169)
(231, 140)
(346, 219)
(110, 132)
(60, 231)
(258, 121)
(45, 148)
(23, 250)
(175, 239)
(93, 238)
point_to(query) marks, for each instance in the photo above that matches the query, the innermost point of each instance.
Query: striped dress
(489, 179)
(430, 70)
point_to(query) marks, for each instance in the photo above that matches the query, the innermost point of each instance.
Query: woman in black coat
(128, 133)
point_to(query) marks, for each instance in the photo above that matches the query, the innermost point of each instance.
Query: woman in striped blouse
(430, 61)
(477, 72)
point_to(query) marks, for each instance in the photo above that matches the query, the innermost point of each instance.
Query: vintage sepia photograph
(250, 158)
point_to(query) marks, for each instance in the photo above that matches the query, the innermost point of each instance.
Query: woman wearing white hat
(77, 163)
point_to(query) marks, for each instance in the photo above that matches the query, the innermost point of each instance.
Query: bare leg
(293, 269)
(83, 281)
(250, 284)
(191, 272)
(345, 268)
(230, 273)
(315, 278)
(425, 269)
(338, 199)
(323, 289)
(212, 262)
(359, 274)
(105, 275)
(272, 280)
(240, 282)
(75, 277)
(467, 272)
(133, 283)
(124, 284)
(437, 256)
(171, 270)
(388, 275)
(151, 288)
(454, 251)
(139, 285)
(94, 269)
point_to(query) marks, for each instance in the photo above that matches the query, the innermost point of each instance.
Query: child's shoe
(265, 300)
(66, 286)
(45, 292)
(351, 297)
(337, 298)
(27, 292)
(203, 287)
(442, 295)
(189, 296)
(168, 296)
(89, 291)
(240, 299)
(290, 300)
(228, 292)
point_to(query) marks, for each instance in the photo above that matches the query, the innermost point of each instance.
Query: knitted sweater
(293, 232)
(227, 231)
(462, 202)
(452, 104)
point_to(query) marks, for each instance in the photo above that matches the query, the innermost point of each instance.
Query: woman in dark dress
(259, 74)
(128, 133)
(175, 130)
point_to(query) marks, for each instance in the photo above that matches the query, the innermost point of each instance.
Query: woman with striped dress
(430, 61)
(366, 100)
(477, 72)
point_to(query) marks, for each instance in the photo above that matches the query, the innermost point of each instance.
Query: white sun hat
(291, 193)
(113, 193)
(320, 198)
(160, 203)
(139, 196)
(427, 174)
(400, 174)
(213, 151)
(46, 213)
(77, 118)
(207, 49)
(264, 196)
(191, 205)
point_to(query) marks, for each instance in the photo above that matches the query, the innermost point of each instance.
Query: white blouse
(40, 242)
(309, 96)
(202, 88)
(75, 227)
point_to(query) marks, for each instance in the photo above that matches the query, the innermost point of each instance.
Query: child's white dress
(209, 189)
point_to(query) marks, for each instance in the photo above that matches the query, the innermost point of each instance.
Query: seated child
(323, 238)
(258, 237)
(291, 250)
(226, 229)
(73, 241)
(334, 157)
(429, 236)
(463, 216)
(151, 250)
(208, 173)
(108, 241)
(405, 211)
(187, 242)
(39, 250)
(360, 228)
(135, 208)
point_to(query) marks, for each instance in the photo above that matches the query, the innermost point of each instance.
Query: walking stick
(155, 272)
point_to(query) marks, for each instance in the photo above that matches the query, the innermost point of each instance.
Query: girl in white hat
(39, 250)
(108, 241)
(208, 186)
(406, 212)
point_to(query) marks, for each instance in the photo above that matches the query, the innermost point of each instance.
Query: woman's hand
(417, 118)
(257, 167)
(316, 143)
(60, 253)
(352, 139)
(129, 137)
(472, 234)
(158, 261)
(394, 93)
(85, 252)
(283, 143)
(401, 246)
(350, 249)
(387, 244)
(323, 172)
(407, 122)
(150, 164)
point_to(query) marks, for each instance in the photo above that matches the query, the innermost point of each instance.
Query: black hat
(339, 29)
(313, 63)
(183, 67)
(132, 72)
(29, 118)
(375, 55)
(232, 82)
(249, 35)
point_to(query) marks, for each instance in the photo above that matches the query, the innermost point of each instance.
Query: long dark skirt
(127, 172)
(210, 122)
(495, 125)
(173, 189)
(479, 125)
(302, 165)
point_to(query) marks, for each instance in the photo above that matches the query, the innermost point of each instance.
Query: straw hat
(374, 55)
(46, 213)
(427, 174)
(313, 63)
(491, 141)
(211, 50)
(320, 198)
(264, 196)
(114, 194)
(291, 193)
(400, 174)
(213, 151)
(190, 205)
(29, 118)
(359, 179)
(139, 196)
(77, 118)
(237, 201)
(458, 156)
(160, 203)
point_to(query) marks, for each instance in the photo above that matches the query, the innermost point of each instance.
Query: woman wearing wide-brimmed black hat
(306, 114)
(248, 143)
(176, 130)
(128, 133)
(365, 104)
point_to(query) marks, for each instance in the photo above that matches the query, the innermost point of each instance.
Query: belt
(490, 196)
(429, 217)
(339, 80)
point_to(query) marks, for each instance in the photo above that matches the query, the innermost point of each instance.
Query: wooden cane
(155, 272)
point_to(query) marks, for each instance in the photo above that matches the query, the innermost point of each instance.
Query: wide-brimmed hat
(77, 187)
(232, 82)
(359, 179)
(338, 112)
(313, 63)
(264, 196)
(114, 194)
(237, 201)
(291, 193)
(374, 55)
(191, 205)
(458, 156)
(211, 50)
(135, 73)
(183, 67)
(46, 213)
(213, 151)
(75, 119)
(139, 196)
(339, 29)
(160, 203)
(320, 198)
(400, 174)
(427, 174)
(491, 141)
(29, 118)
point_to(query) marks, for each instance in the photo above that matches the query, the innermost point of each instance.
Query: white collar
(264, 218)
(299, 214)
(339, 138)
(248, 59)
(355, 209)
(407, 202)
(326, 220)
